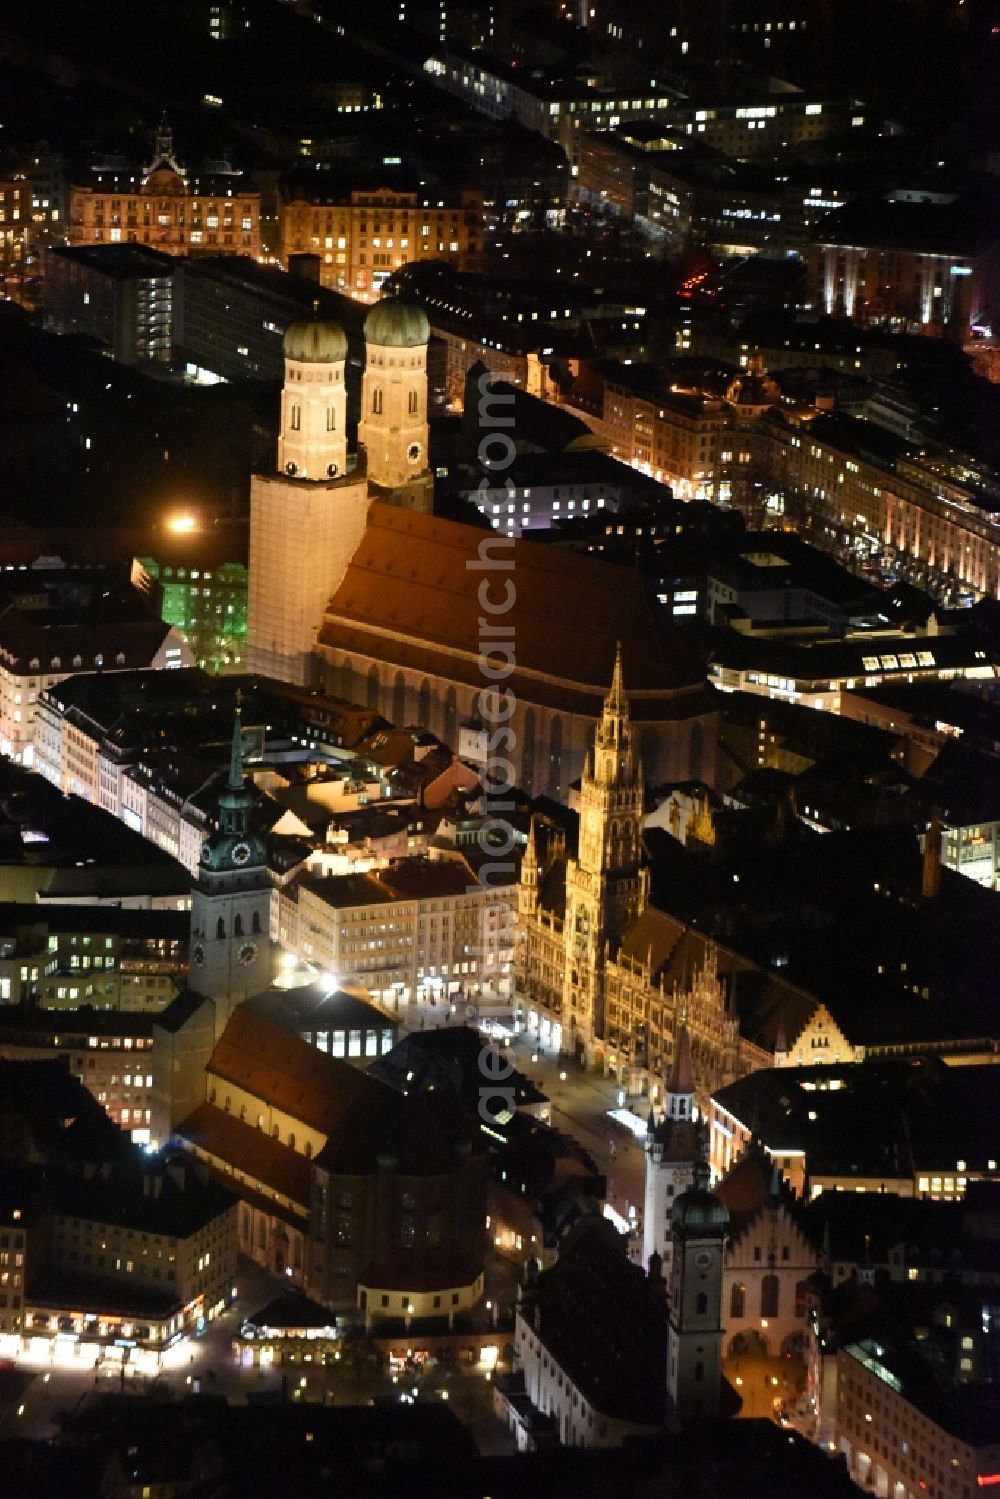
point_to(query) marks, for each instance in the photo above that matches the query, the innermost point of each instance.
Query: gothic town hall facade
(600, 969)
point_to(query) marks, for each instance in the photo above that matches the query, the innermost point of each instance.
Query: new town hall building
(589, 944)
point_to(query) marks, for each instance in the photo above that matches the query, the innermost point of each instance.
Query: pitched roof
(681, 1079)
(603, 1322)
(422, 1270)
(362, 1118)
(413, 585)
(248, 1150)
(407, 880)
(278, 1067)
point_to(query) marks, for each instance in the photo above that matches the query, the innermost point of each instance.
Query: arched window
(555, 756)
(347, 680)
(296, 418)
(373, 688)
(649, 754)
(291, 1142)
(211, 1095)
(309, 1150)
(399, 700)
(331, 419)
(701, 1306)
(697, 752)
(528, 753)
(450, 718)
(260, 1122)
(228, 1105)
(377, 401)
(769, 1291)
(411, 404)
(424, 704)
(238, 926)
(220, 930)
(738, 1300)
(243, 1113)
(274, 1132)
(255, 923)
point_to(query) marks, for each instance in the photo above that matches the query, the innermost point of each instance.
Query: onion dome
(698, 1208)
(394, 324)
(316, 342)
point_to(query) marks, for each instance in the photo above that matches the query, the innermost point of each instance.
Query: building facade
(900, 1440)
(418, 930)
(363, 238)
(120, 295)
(165, 208)
(591, 959)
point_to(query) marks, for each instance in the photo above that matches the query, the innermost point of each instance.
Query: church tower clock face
(198, 954)
(414, 452)
(247, 952)
(241, 853)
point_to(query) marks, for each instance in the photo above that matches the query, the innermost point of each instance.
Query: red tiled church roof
(409, 587)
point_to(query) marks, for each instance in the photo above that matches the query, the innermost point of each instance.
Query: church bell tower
(393, 425)
(230, 955)
(307, 518)
(699, 1228)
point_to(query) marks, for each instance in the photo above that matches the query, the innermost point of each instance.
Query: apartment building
(905, 1434)
(420, 929)
(677, 437)
(165, 207)
(112, 958)
(110, 1054)
(363, 237)
(136, 1258)
(40, 648)
(932, 515)
(15, 217)
(786, 121)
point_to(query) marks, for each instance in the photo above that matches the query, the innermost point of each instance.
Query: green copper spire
(236, 753)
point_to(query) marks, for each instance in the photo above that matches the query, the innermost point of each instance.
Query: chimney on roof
(930, 884)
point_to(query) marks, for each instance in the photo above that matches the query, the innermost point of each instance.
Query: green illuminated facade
(209, 605)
